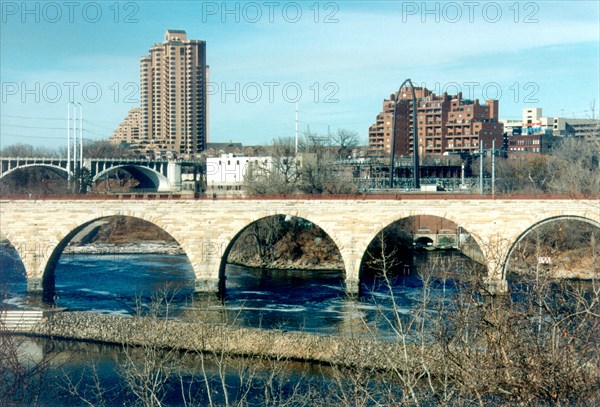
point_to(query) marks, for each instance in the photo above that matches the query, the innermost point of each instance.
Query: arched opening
(39, 179)
(552, 276)
(116, 264)
(283, 271)
(13, 279)
(555, 249)
(417, 248)
(424, 243)
(126, 178)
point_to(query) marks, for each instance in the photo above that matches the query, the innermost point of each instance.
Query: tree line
(317, 164)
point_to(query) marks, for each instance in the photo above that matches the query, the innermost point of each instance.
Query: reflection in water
(313, 301)
(99, 372)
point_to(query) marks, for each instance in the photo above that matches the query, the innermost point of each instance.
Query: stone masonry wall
(206, 228)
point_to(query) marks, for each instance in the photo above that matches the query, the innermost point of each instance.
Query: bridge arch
(53, 254)
(424, 241)
(464, 236)
(57, 168)
(150, 178)
(240, 229)
(16, 248)
(506, 259)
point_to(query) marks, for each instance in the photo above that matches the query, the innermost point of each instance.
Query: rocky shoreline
(171, 248)
(329, 266)
(217, 338)
(581, 268)
(147, 247)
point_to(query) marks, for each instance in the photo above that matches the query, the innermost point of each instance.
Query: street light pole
(416, 170)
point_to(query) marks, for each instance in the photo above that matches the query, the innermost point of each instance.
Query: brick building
(541, 143)
(445, 124)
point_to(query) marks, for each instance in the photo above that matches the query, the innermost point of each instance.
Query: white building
(533, 122)
(228, 172)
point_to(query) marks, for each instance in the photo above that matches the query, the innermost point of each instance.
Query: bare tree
(26, 150)
(104, 149)
(277, 175)
(522, 173)
(23, 373)
(576, 167)
(346, 140)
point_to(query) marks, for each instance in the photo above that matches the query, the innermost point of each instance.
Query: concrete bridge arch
(221, 241)
(390, 220)
(57, 168)
(148, 175)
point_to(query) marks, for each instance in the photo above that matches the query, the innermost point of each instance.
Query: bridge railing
(210, 196)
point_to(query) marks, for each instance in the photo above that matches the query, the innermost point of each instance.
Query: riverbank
(298, 265)
(579, 264)
(142, 247)
(220, 339)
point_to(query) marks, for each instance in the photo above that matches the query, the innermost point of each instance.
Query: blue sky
(339, 63)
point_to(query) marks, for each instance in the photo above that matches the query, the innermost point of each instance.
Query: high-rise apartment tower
(173, 97)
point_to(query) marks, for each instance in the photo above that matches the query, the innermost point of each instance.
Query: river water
(308, 300)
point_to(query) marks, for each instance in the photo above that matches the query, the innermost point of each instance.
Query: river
(306, 300)
(309, 300)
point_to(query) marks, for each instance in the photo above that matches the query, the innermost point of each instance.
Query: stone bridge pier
(206, 229)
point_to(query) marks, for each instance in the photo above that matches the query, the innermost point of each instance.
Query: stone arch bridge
(206, 228)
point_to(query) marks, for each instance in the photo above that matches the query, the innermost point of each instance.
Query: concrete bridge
(206, 228)
(160, 175)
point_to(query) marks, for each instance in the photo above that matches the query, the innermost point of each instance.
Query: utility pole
(80, 136)
(69, 144)
(494, 167)
(481, 153)
(74, 137)
(73, 125)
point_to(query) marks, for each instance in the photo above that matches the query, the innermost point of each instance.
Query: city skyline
(344, 57)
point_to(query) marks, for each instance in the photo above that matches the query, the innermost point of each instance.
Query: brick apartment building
(446, 124)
